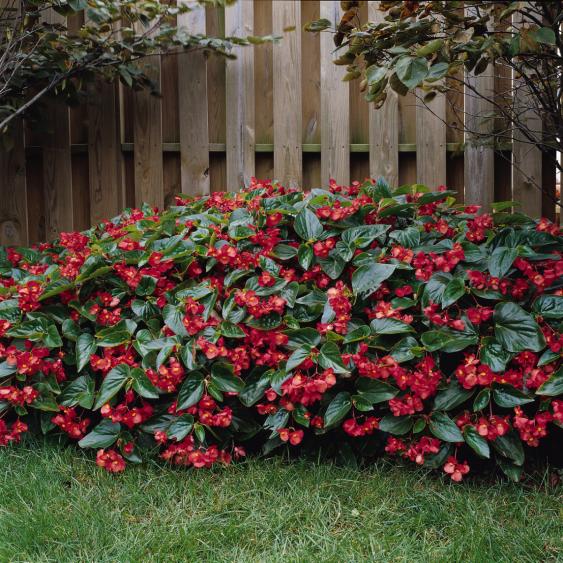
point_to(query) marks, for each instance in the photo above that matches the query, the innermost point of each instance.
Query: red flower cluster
(110, 460)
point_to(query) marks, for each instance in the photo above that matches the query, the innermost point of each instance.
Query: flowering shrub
(356, 319)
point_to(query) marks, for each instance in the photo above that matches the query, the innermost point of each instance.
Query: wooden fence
(277, 111)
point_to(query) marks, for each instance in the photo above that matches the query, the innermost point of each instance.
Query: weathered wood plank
(104, 151)
(384, 127)
(287, 94)
(526, 156)
(311, 78)
(13, 192)
(147, 137)
(192, 102)
(57, 165)
(431, 141)
(335, 115)
(239, 20)
(479, 165)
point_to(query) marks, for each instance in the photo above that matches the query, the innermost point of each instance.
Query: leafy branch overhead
(429, 47)
(56, 47)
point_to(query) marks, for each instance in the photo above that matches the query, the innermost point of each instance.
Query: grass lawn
(56, 505)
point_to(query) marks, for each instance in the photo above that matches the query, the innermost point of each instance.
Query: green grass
(56, 505)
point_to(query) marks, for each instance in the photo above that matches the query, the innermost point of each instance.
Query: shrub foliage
(359, 320)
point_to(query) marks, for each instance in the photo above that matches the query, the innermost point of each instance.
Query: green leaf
(406, 349)
(511, 470)
(102, 436)
(544, 35)
(494, 355)
(305, 256)
(507, 396)
(254, 389)
(330, 358)
(390, 326)
(549, 306)
(85, 346)
(444, 428)
(337, 409)
(446, 340)
(303, 336)
(180, 427)
(375, 391)
(510, 446)
(173, 317)
(7, 369)
(482, 399)
(191, 391)
(368, 278)
(112, 336)
(411, 71)
(553, 387)
(396, 425)
(451, 397)
(363, 236)
(52, 338)
(298, 357)
(453, 291)
(476, 442)
(78, 392)
(231, 330)
(222, 377)
(516, 330)
(360, 333)
(501, 260)
(307, 225)
(143, 385)
(112, 383)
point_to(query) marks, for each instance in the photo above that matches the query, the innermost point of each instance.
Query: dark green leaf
(476, 442)
(507, 396)
(191, 391)
(396, 425)
(112, 383)
(451, 397)
(85, 346)
(444, 428)
(337, 409)
(102, 436)
(368, 278)
(516, 330)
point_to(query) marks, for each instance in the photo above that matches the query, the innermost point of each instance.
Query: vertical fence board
(104, 151)
(335, 116)
(479, 148)
(431, 141)
(57, 166)
(287, 93)
(147, 137)
(13, 200)
(263, 75)
(310, 75)
(383, 127)
(192, 102)
(526, 157)
(239, 20)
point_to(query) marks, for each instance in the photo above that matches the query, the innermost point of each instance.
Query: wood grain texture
(479, 143)
(104, 151)
(264, 74)
(147, 138)
(239, 20)
(383, 127)
(192, 103)
(57, 165)
(526, 156)
(287, 94)
(13, 191)
(310, 75)
(335, 116)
